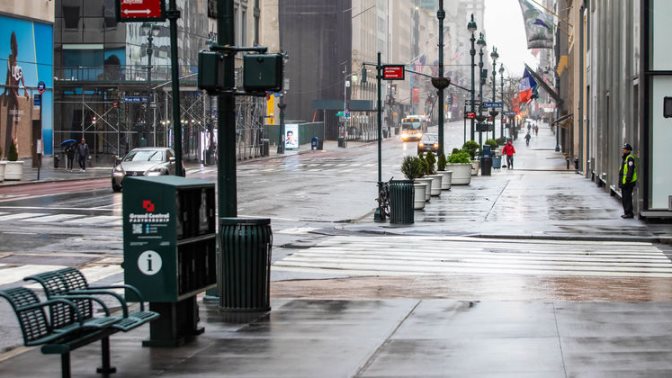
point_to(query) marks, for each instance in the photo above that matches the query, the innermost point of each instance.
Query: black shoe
(627, 216)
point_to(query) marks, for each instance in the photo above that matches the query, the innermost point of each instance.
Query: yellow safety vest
(626, 169)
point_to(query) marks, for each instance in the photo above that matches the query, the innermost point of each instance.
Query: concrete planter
(14, 170)
(436, 184)
(461, 173)
(428, 192)
(447, 178)
(475, 166)
(419, 198)
(2, 170)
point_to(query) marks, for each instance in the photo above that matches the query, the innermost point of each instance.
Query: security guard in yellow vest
(627, 179)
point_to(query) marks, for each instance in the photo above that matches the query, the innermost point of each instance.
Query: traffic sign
(510, 114)
(393, 72)
(141, 10)
(476, 102)
(470, 115)
(492, 104)
(41, 87)
(37, 100)
(135, 99)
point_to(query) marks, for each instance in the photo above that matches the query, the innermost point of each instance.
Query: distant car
(428, 142)
(145, 161)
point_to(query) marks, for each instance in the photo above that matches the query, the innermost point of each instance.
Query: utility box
(262, 72)
(170, 250)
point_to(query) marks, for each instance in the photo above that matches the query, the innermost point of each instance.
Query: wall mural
(26, 58)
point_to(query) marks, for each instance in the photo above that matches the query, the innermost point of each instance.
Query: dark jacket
(83, 150)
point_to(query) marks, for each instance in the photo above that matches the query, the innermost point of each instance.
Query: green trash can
(401, 201)
(245, 264)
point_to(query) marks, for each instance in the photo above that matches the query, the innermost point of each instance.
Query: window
(243, 26)
(71, 17)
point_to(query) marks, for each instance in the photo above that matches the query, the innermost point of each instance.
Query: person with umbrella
(69, 145)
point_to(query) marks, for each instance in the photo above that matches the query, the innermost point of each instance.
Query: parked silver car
(145, 161)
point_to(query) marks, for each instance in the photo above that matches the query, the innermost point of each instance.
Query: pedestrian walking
(536, 130)
(70, 155)
(82, 154)
(527, 138)
(509, 151)
(627, 179)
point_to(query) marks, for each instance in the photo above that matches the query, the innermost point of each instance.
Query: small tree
(471, 147)
(492, 143)
(430, 160)
(441, 163)
(13, 154)
(412, 167)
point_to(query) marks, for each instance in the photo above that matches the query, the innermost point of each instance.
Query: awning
(563, 120)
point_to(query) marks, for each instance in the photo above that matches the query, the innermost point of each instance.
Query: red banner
(141, 10)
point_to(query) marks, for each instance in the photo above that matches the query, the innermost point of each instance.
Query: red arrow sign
(140, 10)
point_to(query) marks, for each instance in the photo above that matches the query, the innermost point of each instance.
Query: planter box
(447, 178)
(2, 170)
(14, 170)
(461, 173)
(419, 198)
(436, 184)
(475, 166)
(428, 192)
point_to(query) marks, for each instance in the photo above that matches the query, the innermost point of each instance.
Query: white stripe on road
(94, 220)
(19, 216)
(9, 274)
(54, 218)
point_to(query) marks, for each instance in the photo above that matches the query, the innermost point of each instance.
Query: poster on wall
(26, 59)
(291, 136)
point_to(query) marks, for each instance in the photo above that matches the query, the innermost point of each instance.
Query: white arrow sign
(127, 11)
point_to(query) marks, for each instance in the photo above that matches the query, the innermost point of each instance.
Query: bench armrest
(71, 304)
(70, 296)
(135, 291)
(88, 292)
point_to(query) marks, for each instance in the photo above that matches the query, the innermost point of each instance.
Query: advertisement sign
(292, 136)
(26, 59)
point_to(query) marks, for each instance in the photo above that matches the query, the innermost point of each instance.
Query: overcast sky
(506, 30)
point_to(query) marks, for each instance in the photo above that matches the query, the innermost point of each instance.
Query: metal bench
(64, 329)
(70, 281)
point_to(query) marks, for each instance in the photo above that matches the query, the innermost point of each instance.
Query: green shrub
(455, 150)
(430, 161)
(492, 143)
(13, 154)
(460, 157)
(501, 141)
(412, 167)
(471, 147)
(441, 163)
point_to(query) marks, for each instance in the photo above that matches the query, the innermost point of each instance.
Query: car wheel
(116, 188)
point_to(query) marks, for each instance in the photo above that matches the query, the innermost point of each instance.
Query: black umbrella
(68, 142)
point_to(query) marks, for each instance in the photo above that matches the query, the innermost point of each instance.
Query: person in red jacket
(509, 151)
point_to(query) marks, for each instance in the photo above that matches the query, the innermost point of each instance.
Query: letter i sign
(149, 263)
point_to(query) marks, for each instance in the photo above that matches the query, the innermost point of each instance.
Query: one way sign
(141, 10)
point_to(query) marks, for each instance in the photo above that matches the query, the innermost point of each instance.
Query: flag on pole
(539, 25)
(527, 87)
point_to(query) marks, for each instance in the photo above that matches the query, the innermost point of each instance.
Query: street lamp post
(483, 75)
(441, 15)
(150, 31)
(494, 55)
(472, 27)
(501, 84)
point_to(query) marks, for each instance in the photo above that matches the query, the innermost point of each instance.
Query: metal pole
(441, 15)
(494, 91)
(501, 87)
(173, 14)
(150, 99)
(480, 92)
(380, 214)
(226, 123)
(581, 86)
(281, 135)
(472, 52)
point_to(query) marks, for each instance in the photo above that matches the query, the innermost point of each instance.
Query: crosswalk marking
(95, 220)
(54, 218)
(9, 274)
(413, 255)
(19, 216)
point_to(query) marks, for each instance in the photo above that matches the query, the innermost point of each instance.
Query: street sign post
(492, 104)
(141, 10)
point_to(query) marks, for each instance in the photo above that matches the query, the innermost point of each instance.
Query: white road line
(17, 273)
(94, 220)
(19, 216)
(54, 218)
